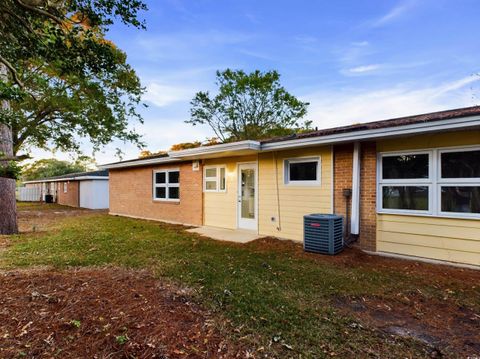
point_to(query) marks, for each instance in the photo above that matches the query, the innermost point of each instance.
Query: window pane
(211, 172)
(173, 177)
(405, 197)
(160, 177)
(461, 199)
(211, 185)
(405, 166)
(173, 192)
(160, 192)
(303, 171)
(461, 164)
(223, 182)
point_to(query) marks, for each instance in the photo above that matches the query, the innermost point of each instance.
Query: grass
(274, 298)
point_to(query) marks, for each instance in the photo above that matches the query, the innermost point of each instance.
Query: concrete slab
(230, 235)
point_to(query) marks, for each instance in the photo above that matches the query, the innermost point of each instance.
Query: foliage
(185, 146)
(248, 106)
(147, 153)
(269, 293)
(11, 170)
(52, 167)
(66, 81)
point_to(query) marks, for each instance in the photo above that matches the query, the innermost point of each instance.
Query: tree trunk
(8, 204)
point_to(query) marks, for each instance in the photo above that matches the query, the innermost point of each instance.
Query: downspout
(279, 226)
(355, 204)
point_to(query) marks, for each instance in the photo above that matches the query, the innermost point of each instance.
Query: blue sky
(354, 61)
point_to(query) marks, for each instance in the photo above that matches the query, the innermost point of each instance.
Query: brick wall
(131, 194)
(70, 198)
(343, 155)
(368, 196)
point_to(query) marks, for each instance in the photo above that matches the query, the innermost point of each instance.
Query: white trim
(351, 136)
(238, 195)
(223, 147)
(217, 179)
(81, 178)
(355, 201)
(136, 163)
(434, 183)
(65, 186)
(286, 171)
(165, 185)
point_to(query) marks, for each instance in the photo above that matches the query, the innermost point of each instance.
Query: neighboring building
(414, 181)
(84, 189)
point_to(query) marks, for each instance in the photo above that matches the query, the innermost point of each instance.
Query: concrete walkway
(230, 235)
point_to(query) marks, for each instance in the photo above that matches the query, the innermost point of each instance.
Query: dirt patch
(103, 313)
(446, 329)
(355, 258)
(40, 219)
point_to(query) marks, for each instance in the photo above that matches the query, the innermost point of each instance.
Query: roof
(77, 176)
(395, 122)
(456, 119)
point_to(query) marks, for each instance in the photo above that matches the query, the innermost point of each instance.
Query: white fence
(32, 194)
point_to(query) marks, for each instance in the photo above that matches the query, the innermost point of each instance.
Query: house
(410, 186)
(83, 189)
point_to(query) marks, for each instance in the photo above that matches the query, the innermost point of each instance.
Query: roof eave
(371, 134)
(221, 150)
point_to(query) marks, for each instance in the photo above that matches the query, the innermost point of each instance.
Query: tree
(248, 106)
(52, 167)
(65, 81)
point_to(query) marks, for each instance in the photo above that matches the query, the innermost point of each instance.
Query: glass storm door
(247, 193)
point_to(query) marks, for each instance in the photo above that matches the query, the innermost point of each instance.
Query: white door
(247, 196)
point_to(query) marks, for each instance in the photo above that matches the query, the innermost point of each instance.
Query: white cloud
(362, 69)
(163, 95)
(344, 107)
(394, 13)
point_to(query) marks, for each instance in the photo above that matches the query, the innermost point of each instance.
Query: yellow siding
(295, 201)
(220, 208)
(447, 239)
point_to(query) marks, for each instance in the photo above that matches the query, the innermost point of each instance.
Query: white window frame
(286, 171)
(217, 179)
(434, 182)
(165, 185)
(65, 187)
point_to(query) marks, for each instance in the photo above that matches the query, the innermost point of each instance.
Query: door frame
(254, 165)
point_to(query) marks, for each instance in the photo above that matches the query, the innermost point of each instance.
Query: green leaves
(67, 83)
(248, 106)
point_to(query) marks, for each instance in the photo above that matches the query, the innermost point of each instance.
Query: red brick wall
(70, 198)
(343, 155)
(131, 194)
(368, 196)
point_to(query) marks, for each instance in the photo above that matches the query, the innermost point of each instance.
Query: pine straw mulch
(103, 313)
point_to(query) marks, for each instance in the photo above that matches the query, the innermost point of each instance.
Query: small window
(166, 185)
(215, 179)
(65, 187)
(302, 171)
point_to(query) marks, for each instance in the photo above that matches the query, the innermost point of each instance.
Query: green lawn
(275, 298)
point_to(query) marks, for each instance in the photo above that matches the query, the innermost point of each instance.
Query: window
(302, 171)
(166, 185)
(441, 182)
(460, 181)
(215, 179)
(65, 187)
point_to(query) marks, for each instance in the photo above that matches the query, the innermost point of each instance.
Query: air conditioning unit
(323, 233)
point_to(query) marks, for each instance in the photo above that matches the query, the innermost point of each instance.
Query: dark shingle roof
(401, 121)
(99, 173)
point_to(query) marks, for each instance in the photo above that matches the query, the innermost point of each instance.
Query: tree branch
(40, 11)
(12, 71)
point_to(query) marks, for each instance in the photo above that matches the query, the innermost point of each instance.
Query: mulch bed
(103, 313)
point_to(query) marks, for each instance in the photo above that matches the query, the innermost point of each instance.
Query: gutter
(417, 128)
(84, 178)
(224, 147)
